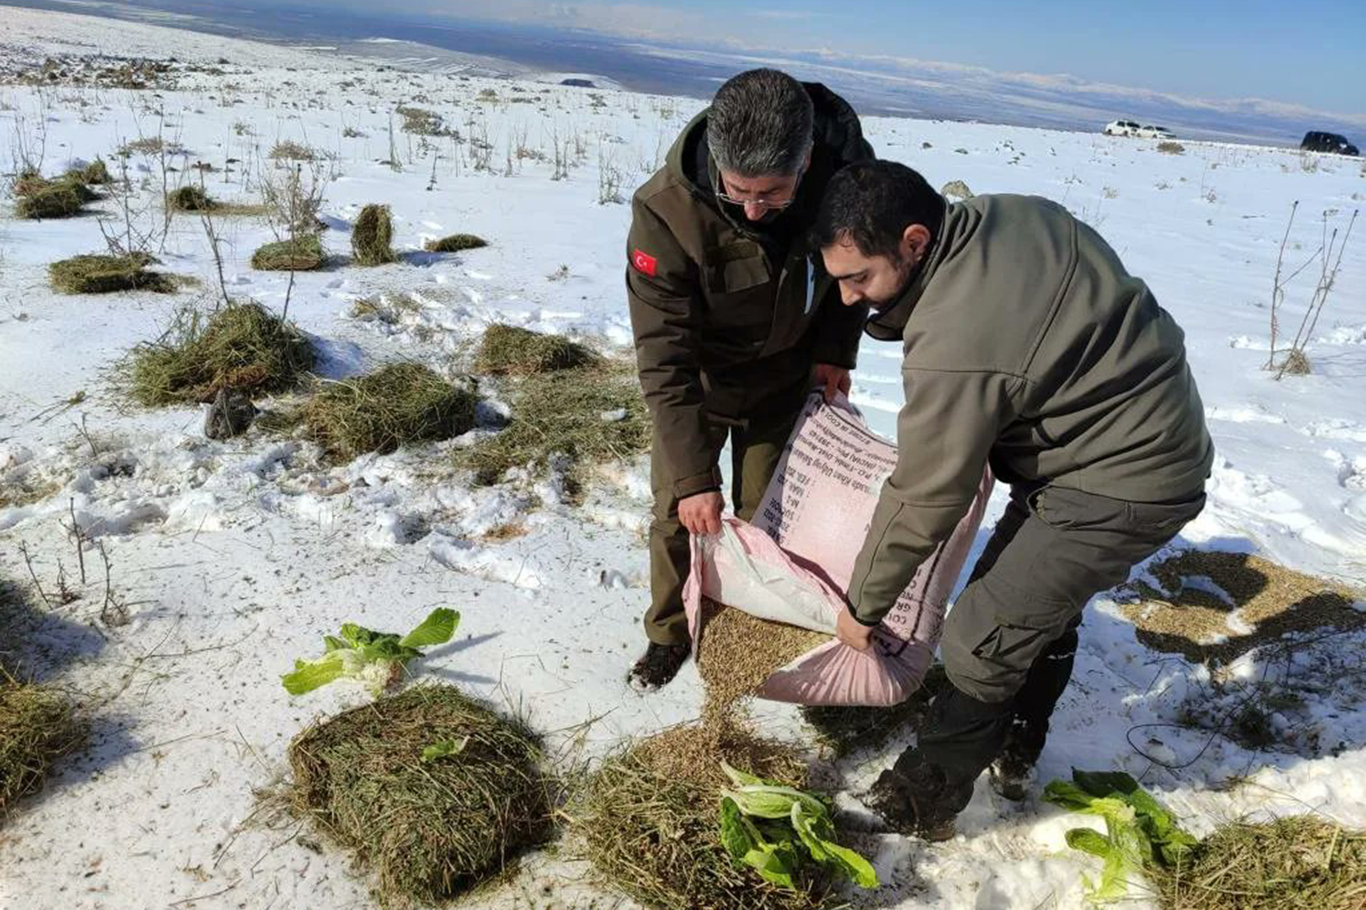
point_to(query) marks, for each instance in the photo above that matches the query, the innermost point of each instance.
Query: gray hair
(760, 124)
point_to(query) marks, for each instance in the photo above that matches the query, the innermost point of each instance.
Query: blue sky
(1308, 53)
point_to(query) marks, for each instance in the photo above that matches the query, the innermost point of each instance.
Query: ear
(915, 240)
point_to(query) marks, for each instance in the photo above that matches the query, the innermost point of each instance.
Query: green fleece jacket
(730, 316)
(1029, 347)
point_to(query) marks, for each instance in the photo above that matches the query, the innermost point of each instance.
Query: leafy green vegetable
(1138, 830)
(372, 657)
(759, 819)
(444, 748)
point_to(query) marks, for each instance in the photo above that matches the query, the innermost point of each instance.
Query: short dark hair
(760, 123)
(871, 203)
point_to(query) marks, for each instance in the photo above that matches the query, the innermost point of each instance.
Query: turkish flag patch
(644, 263)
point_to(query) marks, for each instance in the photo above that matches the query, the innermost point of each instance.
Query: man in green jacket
(732, 320)
(1029, 348)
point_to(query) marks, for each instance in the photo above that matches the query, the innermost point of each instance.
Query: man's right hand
(701, 514)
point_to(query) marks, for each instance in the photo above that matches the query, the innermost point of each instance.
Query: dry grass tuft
(37, 726)
(571, 418)
(398, 404)
(455, 243)
(191, 199)
(373, 235)
(1296, 863)
(242, 346)
(303, 254)
(428, 829)
(648, 820)
(101, 273)
(507, 350)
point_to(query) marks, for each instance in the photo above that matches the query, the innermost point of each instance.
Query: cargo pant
(1010, 639)
(756, 447)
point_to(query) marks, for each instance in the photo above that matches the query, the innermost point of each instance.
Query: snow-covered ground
(235, 557)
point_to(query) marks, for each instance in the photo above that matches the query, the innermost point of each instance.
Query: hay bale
(241, 346)
(50, 199)
(648, 820)
(302, 254)
(96, 173)
(509, 350)
(191, 199)
(1296, 863)
(37, 726)
(455, 243)
(428, 829)
(104, 274)
(573, 418)
(373, 235)
(395, 405)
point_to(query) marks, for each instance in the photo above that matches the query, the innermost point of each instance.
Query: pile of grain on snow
(738, 652)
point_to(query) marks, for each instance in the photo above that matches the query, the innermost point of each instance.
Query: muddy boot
(917, 798)
(1012, 772)
(657, 667)
(230, 414)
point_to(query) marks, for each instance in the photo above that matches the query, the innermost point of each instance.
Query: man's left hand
(852, 632)
(832, 379)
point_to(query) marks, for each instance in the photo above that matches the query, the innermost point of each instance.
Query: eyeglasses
(764, 203)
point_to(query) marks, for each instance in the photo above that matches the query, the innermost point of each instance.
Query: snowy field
(235, 557)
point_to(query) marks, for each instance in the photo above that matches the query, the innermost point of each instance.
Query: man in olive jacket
(1028, 347)
(732, 320)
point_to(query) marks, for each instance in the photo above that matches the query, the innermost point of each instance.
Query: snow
(232, 558)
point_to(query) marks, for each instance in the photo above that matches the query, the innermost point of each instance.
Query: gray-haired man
(732, 320)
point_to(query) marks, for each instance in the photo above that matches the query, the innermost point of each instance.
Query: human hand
(701, 513)
(832, 379)
(852, 632)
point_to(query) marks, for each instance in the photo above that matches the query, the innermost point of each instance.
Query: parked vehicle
(1154, 132)
(1318, 141)
(1122, 128)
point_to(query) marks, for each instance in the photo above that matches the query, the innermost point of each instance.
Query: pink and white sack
(793, 562)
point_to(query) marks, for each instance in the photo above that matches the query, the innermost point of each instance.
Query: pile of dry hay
(191, 199)
(649, 817)
(302, 254)
(37, 726)
(241, 346)
(648, 820)
(570, 407)
(1270, 598)
(100, 273)
(1296, 863)
(396, 405)
(455, 243)
(508, 350)
(428, 829)
(36, 197)
(373, 235)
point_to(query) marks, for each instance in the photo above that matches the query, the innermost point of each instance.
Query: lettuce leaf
(369, 656)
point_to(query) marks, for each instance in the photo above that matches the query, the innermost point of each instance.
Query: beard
(905, 274)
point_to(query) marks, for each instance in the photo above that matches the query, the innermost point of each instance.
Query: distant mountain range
(875, 85)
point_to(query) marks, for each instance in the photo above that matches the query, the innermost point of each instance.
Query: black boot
(657, 667)
(918, 798)
(1013, 770)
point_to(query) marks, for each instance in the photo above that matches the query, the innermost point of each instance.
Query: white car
(1122, 128)
(1154, 132)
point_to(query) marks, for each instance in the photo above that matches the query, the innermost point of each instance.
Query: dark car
(1316, 141)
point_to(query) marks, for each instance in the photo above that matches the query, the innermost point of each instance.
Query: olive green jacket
(1029, 347)
(730, 317)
